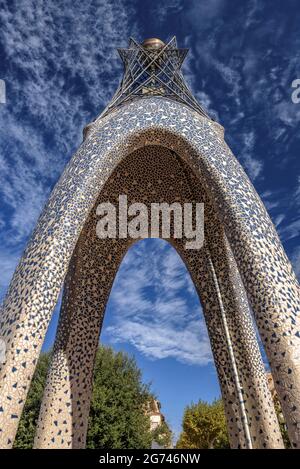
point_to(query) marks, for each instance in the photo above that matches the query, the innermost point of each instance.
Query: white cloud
(8, 262)
(53, 50)
(295, 259)
(288, 112)
(164, 9)
(279, 219)
(201, 14)
(155, 342)
(290, 230)
(63, 69)
(155, 306)
(253, 166)
(190, 77)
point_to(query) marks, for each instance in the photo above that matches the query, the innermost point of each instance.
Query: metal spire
(153, 68)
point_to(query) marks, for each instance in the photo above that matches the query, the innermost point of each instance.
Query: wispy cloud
(8, 262)
(295, 258)
(284, 209)
(156, 308)
(60, 65)
(290, 230)
(253, 166)
(165, 9)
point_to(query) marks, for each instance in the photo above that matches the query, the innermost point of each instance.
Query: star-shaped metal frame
(153, 72)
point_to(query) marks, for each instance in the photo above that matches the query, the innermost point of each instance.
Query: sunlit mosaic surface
(130, 151)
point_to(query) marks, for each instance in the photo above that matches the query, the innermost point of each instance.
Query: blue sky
(60, 66)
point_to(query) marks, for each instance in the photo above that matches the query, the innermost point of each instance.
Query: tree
(281, 421)
(162, 435)
(204, 426)
(117, 417)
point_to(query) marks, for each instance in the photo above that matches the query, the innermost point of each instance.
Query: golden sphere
(153, 43)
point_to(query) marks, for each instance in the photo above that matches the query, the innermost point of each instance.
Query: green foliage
(204, 427)
(282, 425)
(117, 418)
(28, 421)
(162, 435)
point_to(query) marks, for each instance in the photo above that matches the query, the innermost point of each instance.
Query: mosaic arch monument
(154, 143)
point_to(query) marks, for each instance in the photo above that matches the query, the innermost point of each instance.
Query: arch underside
(151, 174)
(152, 162)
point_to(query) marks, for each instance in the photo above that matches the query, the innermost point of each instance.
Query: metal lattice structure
(153, 69)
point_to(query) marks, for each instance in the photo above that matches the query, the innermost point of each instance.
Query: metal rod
(238, 386)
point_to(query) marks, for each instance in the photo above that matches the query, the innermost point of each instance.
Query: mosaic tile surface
(136, 143)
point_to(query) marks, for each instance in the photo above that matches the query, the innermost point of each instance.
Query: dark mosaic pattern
(150, 174)
(240, 233)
